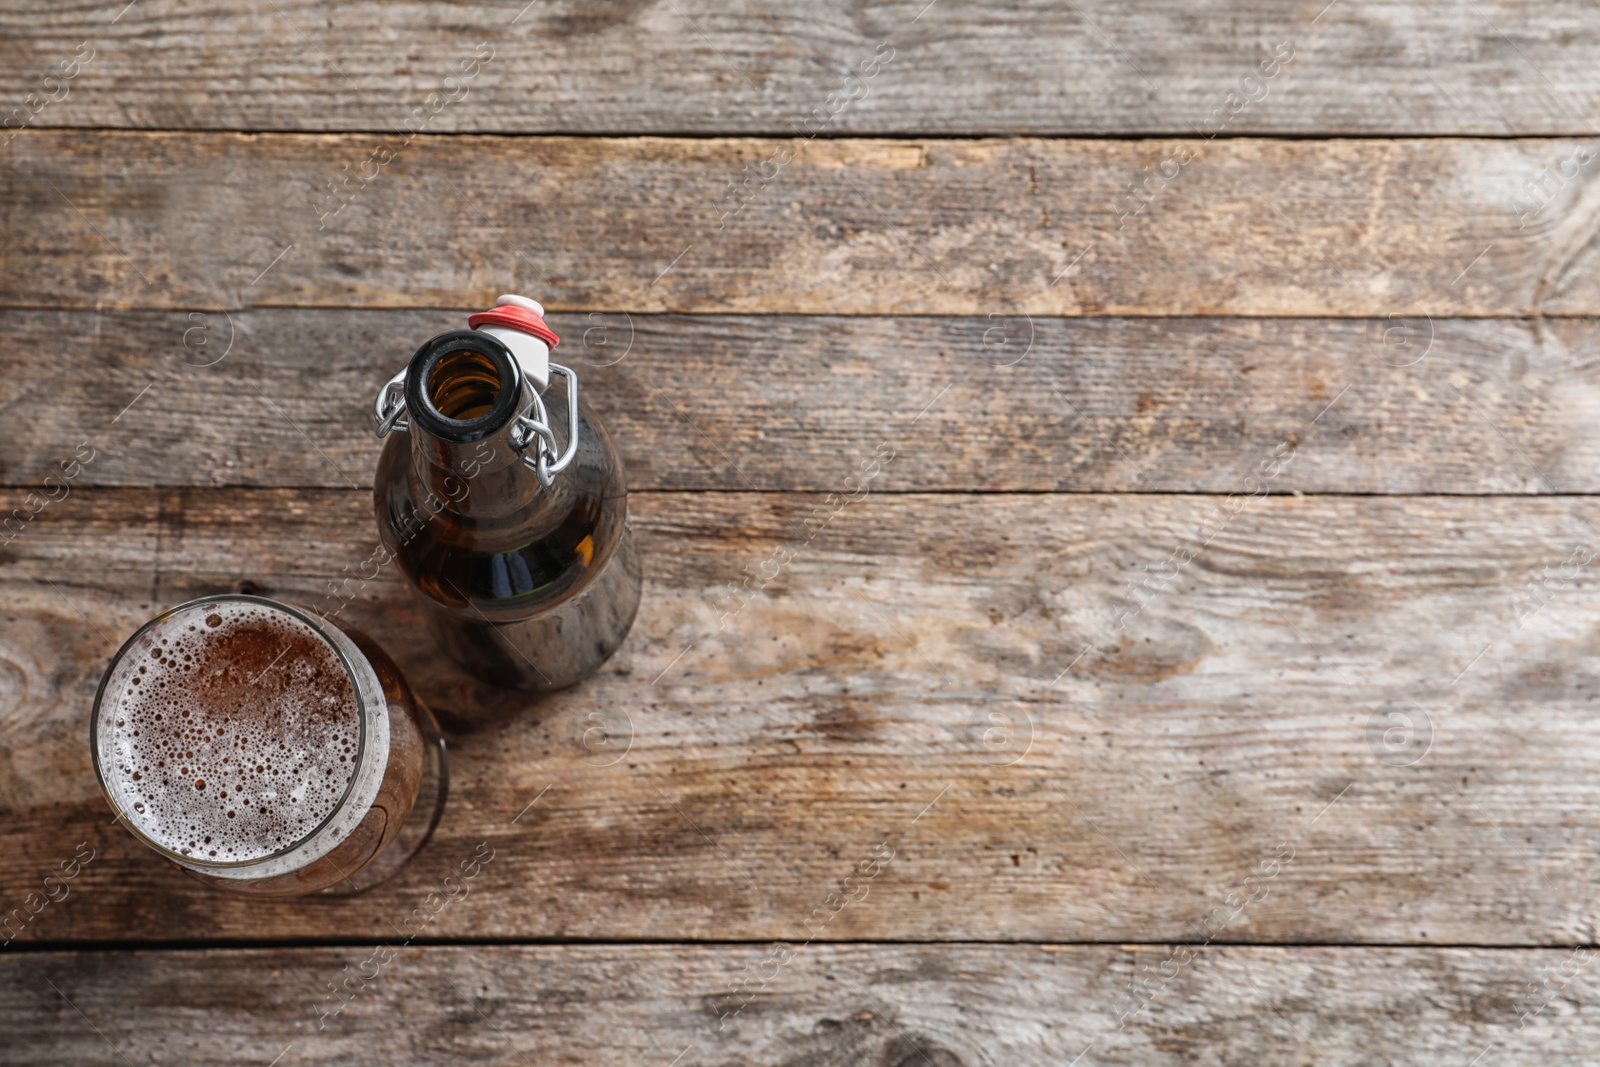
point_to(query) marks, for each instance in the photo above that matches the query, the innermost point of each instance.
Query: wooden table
(1205, 674)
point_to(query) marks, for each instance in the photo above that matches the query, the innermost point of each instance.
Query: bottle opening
(462, 386)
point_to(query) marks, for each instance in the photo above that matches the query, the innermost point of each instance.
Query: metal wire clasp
(525, 430)
(390, 405)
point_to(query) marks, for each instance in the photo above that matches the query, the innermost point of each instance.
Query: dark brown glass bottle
(524, 584)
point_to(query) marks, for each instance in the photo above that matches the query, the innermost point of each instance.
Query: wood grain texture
(1344, 678)
(282, 397)
(859, 227)
(831, 1006)
(635, 66)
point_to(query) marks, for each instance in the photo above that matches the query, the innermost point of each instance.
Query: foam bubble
(230, 732)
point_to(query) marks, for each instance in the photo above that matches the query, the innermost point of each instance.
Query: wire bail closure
(390, 405)
(545, 463)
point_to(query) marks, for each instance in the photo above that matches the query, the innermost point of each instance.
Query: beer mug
(265, 750)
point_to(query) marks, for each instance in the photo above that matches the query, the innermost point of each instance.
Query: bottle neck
(475, 479)
(463, 396)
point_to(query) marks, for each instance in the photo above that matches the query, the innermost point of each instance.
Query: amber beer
(265, 750)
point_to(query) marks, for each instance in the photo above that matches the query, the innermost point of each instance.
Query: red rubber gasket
(513, 317)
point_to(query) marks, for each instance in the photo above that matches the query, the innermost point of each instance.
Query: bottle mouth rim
(132, 824)
(421, 408)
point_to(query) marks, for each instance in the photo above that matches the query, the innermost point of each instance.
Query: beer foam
(229, 731)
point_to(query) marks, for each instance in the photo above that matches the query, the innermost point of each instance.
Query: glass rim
(163, 616)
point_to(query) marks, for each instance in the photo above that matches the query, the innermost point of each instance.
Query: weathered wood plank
(1326, 227)
(794, 403)
(1029, 66)
(835, 1005)
(1346, 679)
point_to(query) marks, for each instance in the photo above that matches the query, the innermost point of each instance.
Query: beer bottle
(504, 507)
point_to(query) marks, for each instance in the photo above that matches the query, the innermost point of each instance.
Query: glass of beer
(266, 750)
